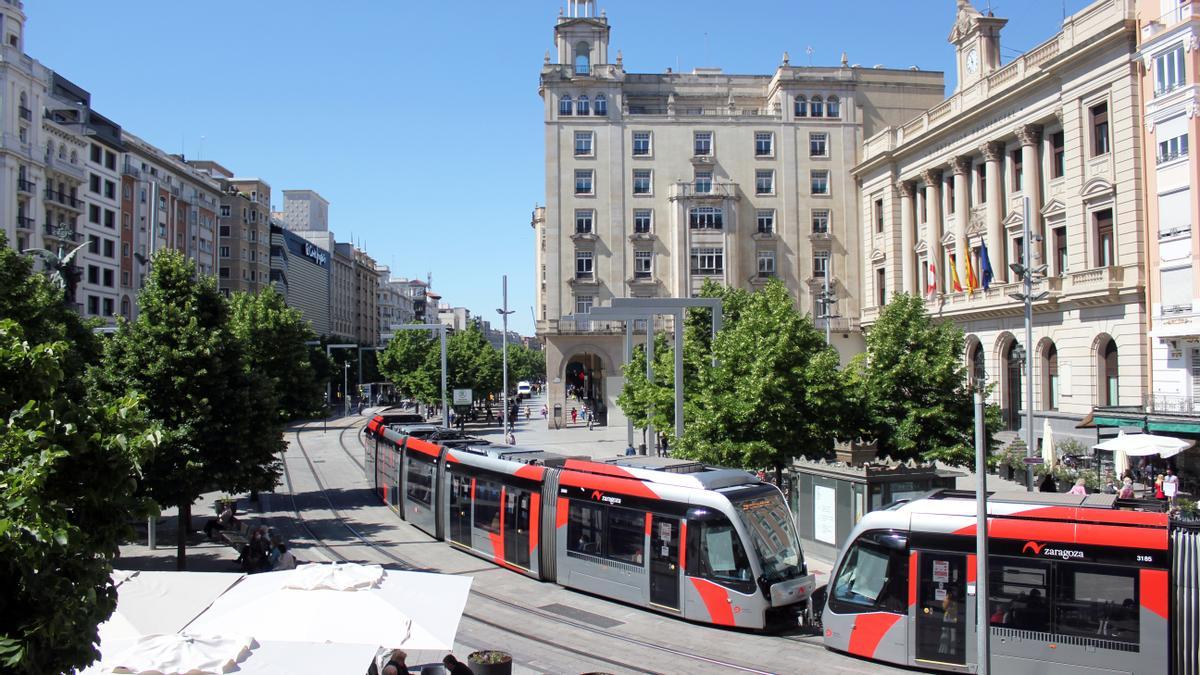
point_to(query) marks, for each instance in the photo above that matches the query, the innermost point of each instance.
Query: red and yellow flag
(972, 281)
(954, 282)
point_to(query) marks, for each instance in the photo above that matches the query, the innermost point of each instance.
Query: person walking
(545, 412)
(591, 419)
(455, 667)
(1170, 486)
(574, 415)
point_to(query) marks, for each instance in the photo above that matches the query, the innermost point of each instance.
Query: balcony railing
(63, 198)
(1168, 156)
(25, 113)
(705, 190)
(26, 185)
(24, 223)
(67, 232)
(1169, 403)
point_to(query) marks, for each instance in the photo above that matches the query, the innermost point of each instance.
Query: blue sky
(420, 121)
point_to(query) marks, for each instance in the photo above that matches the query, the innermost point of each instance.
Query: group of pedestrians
(265, 552)
(397, 664)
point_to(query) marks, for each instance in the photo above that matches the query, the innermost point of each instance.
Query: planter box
(489, 668)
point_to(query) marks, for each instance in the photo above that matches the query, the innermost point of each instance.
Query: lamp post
(346, 391)
(504, 312)
(825, 300)
(1026, 272)
(983, 656)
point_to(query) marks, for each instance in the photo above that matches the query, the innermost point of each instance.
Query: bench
(237, 538)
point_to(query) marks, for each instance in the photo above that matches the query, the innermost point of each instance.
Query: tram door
(516, 527)
(664, 561)
(941, 608)
(460, 509)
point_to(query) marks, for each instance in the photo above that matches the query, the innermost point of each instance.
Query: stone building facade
(1059, 126)
(656, 183)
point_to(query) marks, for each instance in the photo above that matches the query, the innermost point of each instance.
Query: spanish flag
(954, 282)
(972, 282)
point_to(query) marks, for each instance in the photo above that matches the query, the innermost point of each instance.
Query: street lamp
(504, 312)
(1026, 272)
(825, 299)
(981, 534)
(346, 390)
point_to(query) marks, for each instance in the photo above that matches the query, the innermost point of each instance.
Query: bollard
(150, 527)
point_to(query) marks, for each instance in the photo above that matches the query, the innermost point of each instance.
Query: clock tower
(976, 40)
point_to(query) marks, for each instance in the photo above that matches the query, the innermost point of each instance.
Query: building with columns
(658, 182)
(1060, 127)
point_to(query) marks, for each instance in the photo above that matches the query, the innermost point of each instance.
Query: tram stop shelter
(829, 498)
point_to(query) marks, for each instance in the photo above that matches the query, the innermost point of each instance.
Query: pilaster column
(933, 224)
(1030, 137)
(993, 154)
(907, 262)
(961, 166)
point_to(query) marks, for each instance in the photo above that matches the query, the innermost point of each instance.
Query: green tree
(471, 363)
(915, 398)
(412, 361)
(525, 363)
(70, 460)
(220, 427)
(776, 392)
(274, 338)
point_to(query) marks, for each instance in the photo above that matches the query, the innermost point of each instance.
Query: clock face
(973, 61)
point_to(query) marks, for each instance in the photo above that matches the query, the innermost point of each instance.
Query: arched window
(1010, 400)
(582, 58)
(977, 374)
(601, 105)
(49, 149)
(818, 107)
(62, 152)
(582, 107)
(801, 106)
(1050, 377)
(74, 157)
(1109, 393)
(564, 105)
(833, 107)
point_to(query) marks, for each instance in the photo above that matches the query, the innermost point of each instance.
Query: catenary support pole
(628, 358)
(504, 350)
(982, 615)
(679, 314)
(650, 440)
(1028, 287)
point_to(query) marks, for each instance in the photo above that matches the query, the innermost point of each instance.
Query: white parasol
(175, 653)
(1142, 445)
(1048, 455)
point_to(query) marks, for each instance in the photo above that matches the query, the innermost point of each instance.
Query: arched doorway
(583, 383)
(1107, 391)
(1012, 356)
(976, 369)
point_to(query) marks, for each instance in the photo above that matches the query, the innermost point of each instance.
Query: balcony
(25, 113)
(128, 169)
(26, 186)
(642, 236)
(704, 191)
(63, 199)
(24, 223)
(764, 235)
(61, 231)
(65, 167)
(585, 280)
(584, 236)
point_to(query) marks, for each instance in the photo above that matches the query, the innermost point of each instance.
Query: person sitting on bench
(224, 521)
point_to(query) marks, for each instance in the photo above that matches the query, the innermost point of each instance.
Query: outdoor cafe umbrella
(1126, 445)
(1048, 455)
(189, 653)
(344, 604)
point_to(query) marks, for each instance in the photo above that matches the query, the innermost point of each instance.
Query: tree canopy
(70, 459)
(274, 338)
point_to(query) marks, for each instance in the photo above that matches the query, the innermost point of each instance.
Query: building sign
(462, 397)
(318, 256)
(300, 247)
(824, 522)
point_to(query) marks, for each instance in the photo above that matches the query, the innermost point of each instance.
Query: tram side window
(715, 551)
(585, 528)
(420, 481)
(626, 534)
(487, 505)
(873, 576)
(1018, 594)
(1094, 601)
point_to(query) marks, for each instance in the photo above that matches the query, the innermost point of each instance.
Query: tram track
(512, 606)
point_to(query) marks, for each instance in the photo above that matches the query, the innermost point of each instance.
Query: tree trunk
(779, 476)
(185, 528)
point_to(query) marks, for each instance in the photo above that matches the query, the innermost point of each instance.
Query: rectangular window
(819, 181)
(583, 304)
(93, 214)
(1169, 70)
(820, 265)
(93, 274)
(1095, 601)
(94, 246)
(583, 264)
(583, 144)
(225, 210)
(583, 182)
(1019, 250)
(764, 144)
(583, 221)
(643, 264)
(706, 218)
(643, 220)
(1105, 245)
(766, 221)
(97, 154)
(223, 272)
(626, 535)
(110, 248)
(94, 184)
(1099, 118)
(641, 143)
(93, 305)
(879, 216)
(764, 181)
(110, 160)
(224, 251)
(1058, 155)
(1018, 169)
(109, 278)
(708, 261)
(820, 221)
(704, 182)
(1019, 594)
(766, 264)
(110, 219)
(585, 528)
(125, 250)
(1060, 251)
(880, 287)
(818, 145)
(642, 181)
(981, 181)
(702, 143)
(1172, 148)
(487, 504)
(223, 231)
(110, 189)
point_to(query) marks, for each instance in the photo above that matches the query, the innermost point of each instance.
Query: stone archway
(583, 382)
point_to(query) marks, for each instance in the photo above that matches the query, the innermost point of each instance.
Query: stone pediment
(1097, 188)
(1053, 207)
(920, 247)
(948, 239)
(1014, 221)
(877, 256)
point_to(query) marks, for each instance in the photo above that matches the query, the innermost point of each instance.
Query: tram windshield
(772, 530)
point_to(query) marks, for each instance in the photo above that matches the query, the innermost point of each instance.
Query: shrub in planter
(490, 662)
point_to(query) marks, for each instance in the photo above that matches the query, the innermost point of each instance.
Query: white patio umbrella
(1048, 455)
(411, 610)
(188, 653)
(1141, 445)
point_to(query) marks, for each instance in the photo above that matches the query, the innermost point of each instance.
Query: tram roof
(1100, 508)
(665, 471)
